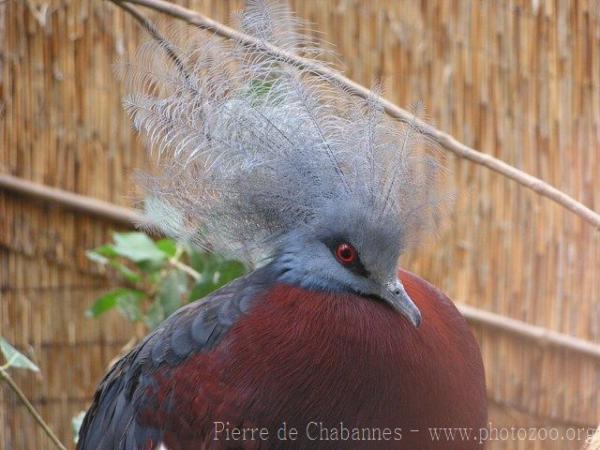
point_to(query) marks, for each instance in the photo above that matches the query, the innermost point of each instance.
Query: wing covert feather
(113, 419)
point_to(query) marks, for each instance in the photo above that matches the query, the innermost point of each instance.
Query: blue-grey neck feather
(250, 149)
(293, 266)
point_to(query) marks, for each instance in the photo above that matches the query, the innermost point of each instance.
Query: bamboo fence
(516, 79)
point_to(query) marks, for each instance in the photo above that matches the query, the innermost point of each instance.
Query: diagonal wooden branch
(443, 139)
(75, 202)
(5, 376)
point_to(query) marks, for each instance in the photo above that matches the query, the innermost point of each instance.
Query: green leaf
(215, 271)
(213, 280)
(126, 272)
(129, 305)
(102, 255)
(102, 304)
(172, 291)
(202, 289)
(14, 358)
(154, 277)
(137, 247)
(230, 270)
(151, 267)
(76, 422)
(105, 255)
(96, 257)
(126, 300)
(107, 250)
(203, 261)
(167, 246)
(154, 316)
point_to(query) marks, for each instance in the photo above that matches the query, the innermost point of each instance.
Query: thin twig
(185, 268)
(443, 139)
(543, 337)
(72, 201)
(175, 262)
(34, 413)
(153, 31)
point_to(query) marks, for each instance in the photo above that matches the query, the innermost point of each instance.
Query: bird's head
(266, 162)
(349, 250)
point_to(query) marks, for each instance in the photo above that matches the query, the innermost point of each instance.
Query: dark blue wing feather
(111, 421)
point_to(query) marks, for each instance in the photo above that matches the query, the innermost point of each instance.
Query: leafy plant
(157, 276)
(13, 359)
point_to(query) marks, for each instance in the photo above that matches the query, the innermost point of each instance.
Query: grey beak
(396, 296)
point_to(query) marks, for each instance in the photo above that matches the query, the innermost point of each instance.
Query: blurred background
(518, 79)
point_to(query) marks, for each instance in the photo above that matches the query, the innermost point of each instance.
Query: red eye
(346, 254)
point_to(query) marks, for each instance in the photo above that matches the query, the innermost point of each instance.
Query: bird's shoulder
(193, 329)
